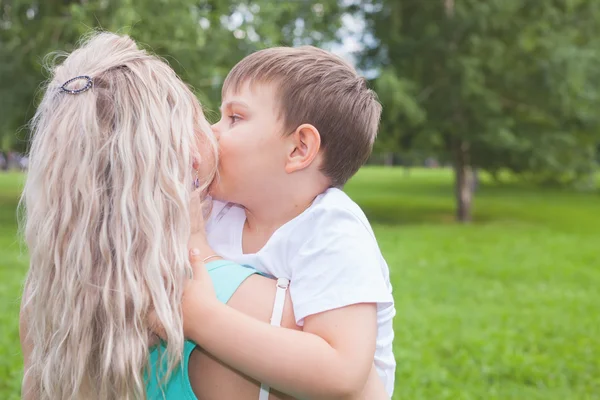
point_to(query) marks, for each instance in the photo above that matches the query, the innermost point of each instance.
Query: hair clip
(88, 85)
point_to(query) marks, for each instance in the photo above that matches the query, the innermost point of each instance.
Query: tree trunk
(463, 182)
(462, 162)
(449, 6)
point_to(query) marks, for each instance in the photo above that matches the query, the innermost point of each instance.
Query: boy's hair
(316, 87)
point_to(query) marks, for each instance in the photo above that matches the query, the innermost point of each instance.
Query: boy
(296, 124)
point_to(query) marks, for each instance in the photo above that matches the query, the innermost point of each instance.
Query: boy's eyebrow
(233, 103)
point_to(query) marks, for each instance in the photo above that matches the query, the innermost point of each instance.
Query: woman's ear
(304, 146)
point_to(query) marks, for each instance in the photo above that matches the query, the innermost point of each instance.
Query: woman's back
(114, 144)
(202, 376)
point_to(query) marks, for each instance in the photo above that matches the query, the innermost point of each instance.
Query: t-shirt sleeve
(340, 264)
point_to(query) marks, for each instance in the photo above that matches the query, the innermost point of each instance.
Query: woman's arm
(299, 363)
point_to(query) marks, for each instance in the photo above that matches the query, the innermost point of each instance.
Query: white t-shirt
(331, 257)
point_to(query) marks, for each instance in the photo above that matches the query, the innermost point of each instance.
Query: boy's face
(252, 148)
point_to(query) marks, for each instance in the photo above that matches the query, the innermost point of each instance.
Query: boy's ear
(304, 146)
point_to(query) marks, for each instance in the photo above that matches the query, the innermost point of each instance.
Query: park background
(482, 188)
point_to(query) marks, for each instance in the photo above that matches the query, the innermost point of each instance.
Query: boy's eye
(234, 118)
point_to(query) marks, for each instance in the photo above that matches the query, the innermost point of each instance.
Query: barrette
(88, 85)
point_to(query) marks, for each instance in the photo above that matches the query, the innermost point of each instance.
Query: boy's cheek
(228, 162)
(230, 149)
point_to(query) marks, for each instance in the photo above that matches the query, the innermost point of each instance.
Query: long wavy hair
(106, 219)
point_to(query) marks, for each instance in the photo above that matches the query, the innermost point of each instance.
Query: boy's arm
(334, 363)
(336, 285)
(331, 359)
(374, 389)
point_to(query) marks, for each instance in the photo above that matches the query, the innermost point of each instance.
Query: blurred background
(483, 187)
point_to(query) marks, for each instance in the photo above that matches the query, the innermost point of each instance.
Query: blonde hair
(316, 87)
(106, 205)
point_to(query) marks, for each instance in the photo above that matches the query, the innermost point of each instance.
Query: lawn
(13, 264)
(504, 308)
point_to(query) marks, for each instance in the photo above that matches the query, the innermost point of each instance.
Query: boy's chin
(218, 191)
(214, 191)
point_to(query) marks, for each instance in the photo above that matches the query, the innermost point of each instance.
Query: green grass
(504, 308)
(13, 264)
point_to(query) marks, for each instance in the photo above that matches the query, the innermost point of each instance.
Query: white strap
(223, 211)
(282, 285)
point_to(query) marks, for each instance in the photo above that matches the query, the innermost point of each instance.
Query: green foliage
(202, 40)
(514, 83)
(503, 309)
(400, 110)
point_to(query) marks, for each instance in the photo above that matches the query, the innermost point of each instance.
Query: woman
(119, 143)
(114, 144)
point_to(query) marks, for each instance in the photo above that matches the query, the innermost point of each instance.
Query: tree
(502, 83)
(202, 40)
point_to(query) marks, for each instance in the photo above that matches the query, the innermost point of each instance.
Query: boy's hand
(196, 213)
(197, 224)
(199, 295)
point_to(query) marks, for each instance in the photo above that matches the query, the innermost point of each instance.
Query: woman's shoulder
(227, 276)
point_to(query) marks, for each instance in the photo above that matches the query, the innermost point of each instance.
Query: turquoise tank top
(226, 276)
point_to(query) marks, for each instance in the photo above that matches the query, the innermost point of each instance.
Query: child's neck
(267, 213)
(262, 222)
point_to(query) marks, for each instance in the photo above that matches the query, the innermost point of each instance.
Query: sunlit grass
(503, 308)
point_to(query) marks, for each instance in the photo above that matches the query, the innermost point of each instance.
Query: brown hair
(316, 87)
